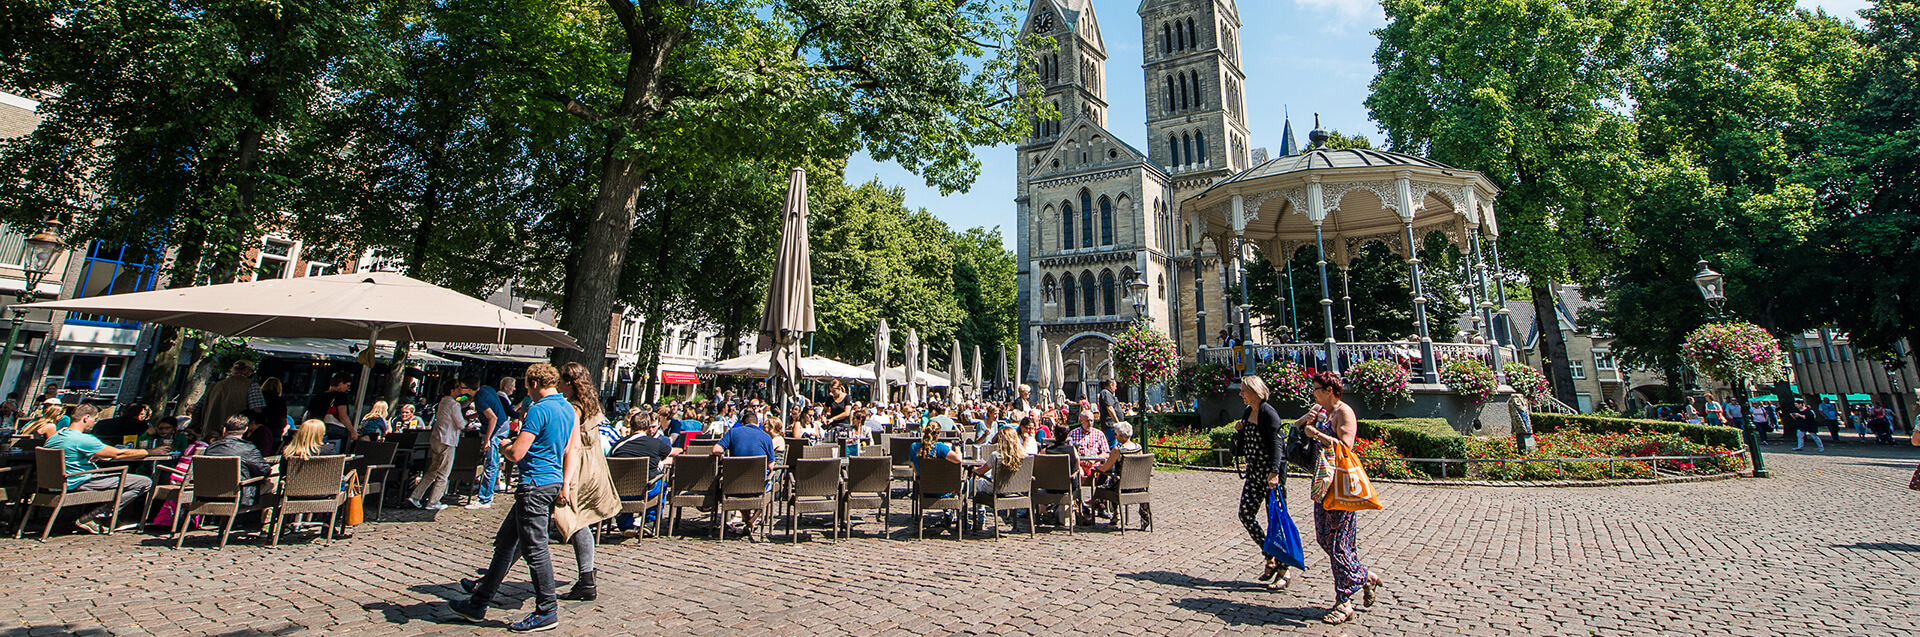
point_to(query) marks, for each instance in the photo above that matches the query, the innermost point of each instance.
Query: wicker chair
(816, 488)
(900, 448)
(218, 491)
(50, 490)
(307, 487)
(1136, 473)
(691, 484)
(873, 451)
(468, 459)
(1054, 485)
(792, 450)
(16, 481)
(178, 494)
(939, 484)
(375, 463)
(743, 487)
(1012, 491)
(869, 486)
(817, 452)
(632, 479)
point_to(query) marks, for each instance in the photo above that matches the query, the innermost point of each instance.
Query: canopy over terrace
(1337, 201)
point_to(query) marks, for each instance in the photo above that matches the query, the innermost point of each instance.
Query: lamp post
(41, 249)
(1713, 288)
(1138, 294)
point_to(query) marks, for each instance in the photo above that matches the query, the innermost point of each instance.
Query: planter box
(1491, 418)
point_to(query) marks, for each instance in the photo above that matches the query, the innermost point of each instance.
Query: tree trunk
(1553, 344)
(594, 280)
(397, 374)
(647, 363)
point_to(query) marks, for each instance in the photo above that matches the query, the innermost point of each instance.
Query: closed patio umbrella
(956, 374)
(912, 365)
(979, 376)
(1059, 373)
(1000, 374)
(349, 306)
(788, 315)
(1043, 373)
(882, 341)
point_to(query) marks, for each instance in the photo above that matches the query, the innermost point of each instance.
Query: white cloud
(1347, 13)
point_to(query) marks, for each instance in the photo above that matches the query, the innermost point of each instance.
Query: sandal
(1367, 593)
(1340, 613)
(1273, 567)
(1282, 580)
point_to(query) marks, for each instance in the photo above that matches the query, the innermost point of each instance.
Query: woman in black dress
(839, 408)
(1259, 441)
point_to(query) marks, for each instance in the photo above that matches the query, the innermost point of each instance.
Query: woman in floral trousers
(1337, 532)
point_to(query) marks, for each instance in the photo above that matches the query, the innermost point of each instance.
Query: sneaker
(92, 526)
(415, 503)
(468, 610)
(469, 584)
(126, 527)
(480, 504)
(536, 622)
(434, 507)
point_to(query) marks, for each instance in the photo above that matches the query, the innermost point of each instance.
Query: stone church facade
(1095, 214)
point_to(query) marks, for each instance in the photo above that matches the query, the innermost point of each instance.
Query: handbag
(1351, 489)
(1283, 538)
(1301, 450)
(1322, 476)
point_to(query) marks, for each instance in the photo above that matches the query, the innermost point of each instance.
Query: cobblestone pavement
(1829, 547)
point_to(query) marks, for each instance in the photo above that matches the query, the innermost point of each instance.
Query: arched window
(1067, 296)
(1169, 94)
(1186, 143)
(1166, 38)
(1161, 288)
(1106, 221)
(1086, 219)
(1066, 226)
(1185, 98)
(1179, 37)
(1047, 287)
(1173, 150)
(1193, 37)
(1106, 293)
(1089, 295)
(1200, 143)
(1199, 98)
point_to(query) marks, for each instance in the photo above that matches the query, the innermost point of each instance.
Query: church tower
(1196, 106)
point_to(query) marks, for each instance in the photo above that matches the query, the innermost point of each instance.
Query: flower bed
(1194, 449)
(1568, 443)
(1287, 383)
(1469, 378)
(1380, 383)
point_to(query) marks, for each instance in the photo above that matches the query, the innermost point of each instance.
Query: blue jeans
(484, 491)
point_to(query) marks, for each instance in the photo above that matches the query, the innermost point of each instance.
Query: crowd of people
(1797, 420)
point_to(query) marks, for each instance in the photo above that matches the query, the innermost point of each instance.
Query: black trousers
(524, 533)
(1253, 502)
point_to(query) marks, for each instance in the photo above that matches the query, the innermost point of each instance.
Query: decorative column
(1199, 306)
(1486, 307)
(1317, 213)
(1499, 283)
(1346, 297)
(1429, 368)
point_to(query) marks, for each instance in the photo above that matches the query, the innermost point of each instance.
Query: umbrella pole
(360, 396)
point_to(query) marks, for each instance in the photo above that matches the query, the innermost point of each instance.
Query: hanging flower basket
(1526, 380)
(1144, 356)
(1380, 383)
(1205, 380)
(1469, 378)
(1734, 352)
(1287, 383)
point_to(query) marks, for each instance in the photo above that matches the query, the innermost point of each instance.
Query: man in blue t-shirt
(81, 449)
(496, 423)
(540, 449)
(745, 440)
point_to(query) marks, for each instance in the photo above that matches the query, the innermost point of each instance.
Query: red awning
(679, 378)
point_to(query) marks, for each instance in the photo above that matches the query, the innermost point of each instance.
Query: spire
(1288, 146)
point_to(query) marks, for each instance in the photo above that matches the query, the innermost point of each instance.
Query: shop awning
(492, 358)
(330, 349)
(679, 378)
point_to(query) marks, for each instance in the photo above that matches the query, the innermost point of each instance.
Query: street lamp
(1713, 289)
(1139, 296)
(41, 250)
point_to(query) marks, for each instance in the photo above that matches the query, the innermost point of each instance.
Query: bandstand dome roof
(1355, 195)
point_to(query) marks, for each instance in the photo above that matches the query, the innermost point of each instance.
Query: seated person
(1006, 454)
(931, 450)
(375, 426)
(1089, 441)
(131, 421)
(745, 440)
(309, 441)
(645, 442)
(234, 445)
(81, 450)
(1107, 473)
(166, 432)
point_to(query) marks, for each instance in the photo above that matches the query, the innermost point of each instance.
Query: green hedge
(1145, 426)
(1221, 436)
(1417, 437)
(1728, 437)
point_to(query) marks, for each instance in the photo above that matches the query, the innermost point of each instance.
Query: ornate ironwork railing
(1314, 355)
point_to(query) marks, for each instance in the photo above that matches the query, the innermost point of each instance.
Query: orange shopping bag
(1351, 490)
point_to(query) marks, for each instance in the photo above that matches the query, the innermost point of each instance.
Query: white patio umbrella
(923, 378)
(882, 341)
(349, 306)
(788, 315)
(1019, 358)
(1000, 374)
(979, 376)
(810, 368)
(956, 374)
(1043, 373)
(912, 365)
(1059, 373)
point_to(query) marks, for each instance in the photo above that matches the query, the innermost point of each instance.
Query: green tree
(1381, 288)
(874, 258)
(1528, 93)
(1870, 177)
(673, 84)
(984, 278)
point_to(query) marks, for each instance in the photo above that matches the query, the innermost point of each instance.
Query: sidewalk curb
(1552, 484)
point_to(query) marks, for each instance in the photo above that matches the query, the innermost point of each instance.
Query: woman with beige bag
(586, 494)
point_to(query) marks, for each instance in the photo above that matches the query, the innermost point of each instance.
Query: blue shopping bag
(1283, 539)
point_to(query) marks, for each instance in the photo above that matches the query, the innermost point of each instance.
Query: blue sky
(1302, 56)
